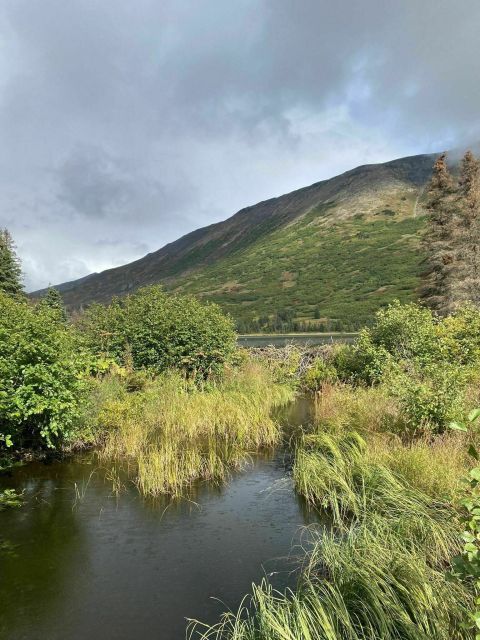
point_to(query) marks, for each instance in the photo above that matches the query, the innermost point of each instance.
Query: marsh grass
(335, 473)
(341, 407)
(380, 572)
(172, 433)
(363, 585)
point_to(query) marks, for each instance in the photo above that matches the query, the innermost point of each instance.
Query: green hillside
(337, 271)
(323, 257)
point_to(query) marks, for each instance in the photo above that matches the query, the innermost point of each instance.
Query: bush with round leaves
(152, 329)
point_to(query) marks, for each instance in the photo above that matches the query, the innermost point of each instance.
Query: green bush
(459, 336)
(159, 331)
(431, 396)
(318, 374)
(41, 379)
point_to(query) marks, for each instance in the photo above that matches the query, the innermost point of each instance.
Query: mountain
(336, 251)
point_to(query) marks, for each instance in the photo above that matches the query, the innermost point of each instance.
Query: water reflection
(88, 564)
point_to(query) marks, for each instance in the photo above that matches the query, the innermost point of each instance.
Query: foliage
(159, 331)
(10, 269)
(466, 566)
(318, 374)
(41, 371)
(425, 363)
(172, 433)
(430, 396)
(459, 336)
(10, 498)
(54, 300)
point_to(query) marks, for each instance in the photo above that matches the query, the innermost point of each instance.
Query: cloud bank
(124, 125)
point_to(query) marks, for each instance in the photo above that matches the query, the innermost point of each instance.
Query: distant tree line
(284, 321)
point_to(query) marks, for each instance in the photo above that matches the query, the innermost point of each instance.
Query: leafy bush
(362, 362)
(319, 373)
(40, 374)
(430, 397)
(459, 336)
(161, 331)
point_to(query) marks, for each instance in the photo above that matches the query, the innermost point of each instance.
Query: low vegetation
(171, 432)
(381, 461)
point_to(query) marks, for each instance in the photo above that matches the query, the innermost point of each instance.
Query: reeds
(363, 585)
(380, 571)
(172, 433)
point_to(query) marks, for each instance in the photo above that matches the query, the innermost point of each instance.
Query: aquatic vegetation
(363, 585)
(10, 498)
(173, 433)
(335, 473)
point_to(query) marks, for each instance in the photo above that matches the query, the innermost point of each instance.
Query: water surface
(282, 339)
(78, 563)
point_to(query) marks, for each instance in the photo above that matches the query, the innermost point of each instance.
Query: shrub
(161, 331)
(459, 336)
(430, 397)
(362, 362)
(319, 373)
(41, 369)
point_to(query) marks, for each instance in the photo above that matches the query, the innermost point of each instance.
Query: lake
(77, 562)
(280, 340)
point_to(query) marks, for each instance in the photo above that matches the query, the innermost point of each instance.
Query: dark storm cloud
(126, 124)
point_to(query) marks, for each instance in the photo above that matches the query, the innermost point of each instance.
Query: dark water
(281, 340)
(78, 563)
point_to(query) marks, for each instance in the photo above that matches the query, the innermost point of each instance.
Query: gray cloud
(125, 125)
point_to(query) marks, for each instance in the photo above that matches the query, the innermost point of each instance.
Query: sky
(124, 125)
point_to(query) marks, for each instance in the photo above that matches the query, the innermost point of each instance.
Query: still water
(76, 562)
(281, 340)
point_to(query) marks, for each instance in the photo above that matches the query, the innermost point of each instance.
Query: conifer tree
(54, 300)
(10, 268)
(438, 291)
(468, 229)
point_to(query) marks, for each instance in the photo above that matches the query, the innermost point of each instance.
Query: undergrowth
(172, 432)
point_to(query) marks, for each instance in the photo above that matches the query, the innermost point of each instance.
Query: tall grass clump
(363, 585)
(335, 473)
(172, 432)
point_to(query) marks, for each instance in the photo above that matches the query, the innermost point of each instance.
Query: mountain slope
(337, 249)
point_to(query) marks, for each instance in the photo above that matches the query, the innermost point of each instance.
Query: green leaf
(475, 473)
(458, 426)
(473, 415)
(473, 452)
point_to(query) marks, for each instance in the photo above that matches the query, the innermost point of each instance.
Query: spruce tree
(54, 300)
(10, 268)
(468, 229)
(438, 291)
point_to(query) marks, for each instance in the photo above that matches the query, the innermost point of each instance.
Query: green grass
(362, 586)
(171, 433)
(378, 571)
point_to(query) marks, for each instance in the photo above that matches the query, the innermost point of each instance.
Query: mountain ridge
(393, 187)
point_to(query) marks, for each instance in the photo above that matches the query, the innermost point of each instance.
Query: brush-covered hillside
(325, 256)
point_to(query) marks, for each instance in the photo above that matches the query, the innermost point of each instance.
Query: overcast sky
(126, 123)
